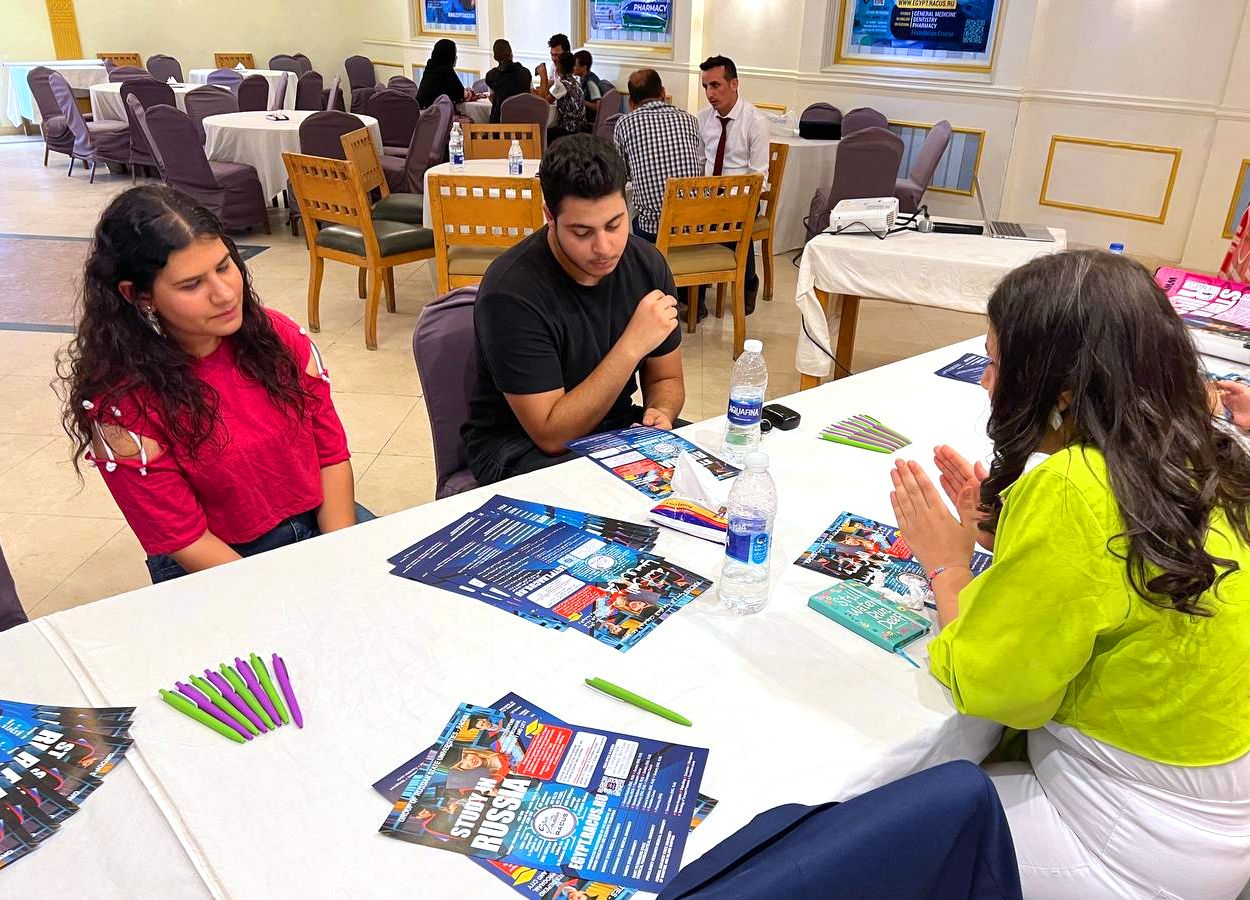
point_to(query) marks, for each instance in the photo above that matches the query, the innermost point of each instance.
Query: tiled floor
(68, 544)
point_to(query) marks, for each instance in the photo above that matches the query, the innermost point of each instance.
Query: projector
(876, 214)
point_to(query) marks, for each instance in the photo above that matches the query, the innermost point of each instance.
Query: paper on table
(170, 80)
(239, 66)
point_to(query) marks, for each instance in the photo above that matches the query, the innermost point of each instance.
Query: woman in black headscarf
(440, 75)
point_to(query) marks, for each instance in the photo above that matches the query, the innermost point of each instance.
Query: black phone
(781, 417)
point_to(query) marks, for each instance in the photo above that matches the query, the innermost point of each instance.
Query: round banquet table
(15, 94)
(107, 106)
(478, 112)
(252, 138)
(273, 76)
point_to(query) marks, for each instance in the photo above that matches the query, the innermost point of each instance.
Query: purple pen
(854, 435)
(863, 425)
(197, 696)
(284, 683)
(870, 422)
(253, 685)
(228, 691)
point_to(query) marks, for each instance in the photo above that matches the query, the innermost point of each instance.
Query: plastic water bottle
(514, 158)
(1117, 248)
(455, 148)
(746, 400)
(752, 510)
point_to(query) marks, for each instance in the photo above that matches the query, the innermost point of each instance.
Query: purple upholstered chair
(11, 612)
(94, 142)
(56, 134)
(208, 101)
(163, 68)
(321, 134)
(911, 189)
(126, 73)
(866, 166)
(445, 348)
(148, 92)
(308, 91)
(397, 114)
(821, 121)
(227, 78)
(334, 96)
(403, 84)
(481, 87)
(406, 174)
(361, 79)
(285, 63)
(231, 190)
(605, 126)
(863, 117)
(305, 64)
(528, 108)
(254, 94)
(139, 120)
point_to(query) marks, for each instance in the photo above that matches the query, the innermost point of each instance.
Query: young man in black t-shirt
(568, 320)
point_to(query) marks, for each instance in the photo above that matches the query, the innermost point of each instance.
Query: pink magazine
(1217, 310)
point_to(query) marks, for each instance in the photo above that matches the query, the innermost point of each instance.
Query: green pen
(243, 691)
(833, 438)
(262, 675)
(223, 704)
(620, 693)
(187, 708)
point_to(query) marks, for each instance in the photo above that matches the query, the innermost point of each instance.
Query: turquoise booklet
(869, 614)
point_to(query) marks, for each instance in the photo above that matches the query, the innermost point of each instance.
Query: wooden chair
(705, 233)
(764, 225)
(494, 141)
(476, 218)
(230, 60)
(330, 191)
(122, 59)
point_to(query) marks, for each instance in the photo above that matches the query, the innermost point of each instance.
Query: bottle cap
(753, 346)
(1116, 248)
(757, 462)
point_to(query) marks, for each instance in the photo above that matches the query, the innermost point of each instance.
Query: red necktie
(720, 146)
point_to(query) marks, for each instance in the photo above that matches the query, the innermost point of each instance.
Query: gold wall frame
(1230, 226)
(976, 163)
(771, 107)
(63, 21)
(634, 48)
(1057, 139)
(842, 59)
(424, 30)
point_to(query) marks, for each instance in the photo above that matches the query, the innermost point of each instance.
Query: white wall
(26, 35)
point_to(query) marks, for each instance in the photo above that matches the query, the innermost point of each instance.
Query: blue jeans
(291, 531)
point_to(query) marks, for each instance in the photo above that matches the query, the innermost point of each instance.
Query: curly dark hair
(583, 166)
(1096, 326)
(116, 354)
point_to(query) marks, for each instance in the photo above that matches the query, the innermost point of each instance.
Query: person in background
(208, 415)
(568, 320)
(440, 76)
(557, 44)
(507, 79)
(735, 136)
(1114, 621)
(566, 94)
(592, 87)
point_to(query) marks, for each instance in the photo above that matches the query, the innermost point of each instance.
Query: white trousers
(1091, 821)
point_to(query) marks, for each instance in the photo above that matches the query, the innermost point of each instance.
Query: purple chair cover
(481, 87)
(403, 84)
(11, 612)
(305, 64)
(208, 101)
(94, 142)
(406, 174)
(321, 133)
(821, 112)
(126, 73)
(230, 190)
(361, 79)
(279, 96)
(148, 92)
(284, 63)
(109, 65)
(609, 104)
(139, 120)
(910, 190)
(866, 166)
(606, 128)
(863, 117)
(527, 108)
(445, 349)
(254, 94)
(163, 68)
(334, 97)
(228, 78)
(308, 91)
(397, 115)
(56, 134)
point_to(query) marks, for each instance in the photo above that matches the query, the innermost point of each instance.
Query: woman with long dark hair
(1115, 619)
(208, 415)
(440, 76)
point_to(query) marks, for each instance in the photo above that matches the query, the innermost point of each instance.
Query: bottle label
(748, 540)
(514, 167)
(745, 412)
(457, 158)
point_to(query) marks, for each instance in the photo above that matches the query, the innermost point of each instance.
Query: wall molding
(1160, 219)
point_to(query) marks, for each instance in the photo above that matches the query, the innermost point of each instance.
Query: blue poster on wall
(960, 26)
(620, 16)
(449, 15)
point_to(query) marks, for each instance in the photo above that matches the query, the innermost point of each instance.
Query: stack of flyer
(51, 759)
(1216, 311)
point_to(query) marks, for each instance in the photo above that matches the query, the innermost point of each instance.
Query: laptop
(1011, 231)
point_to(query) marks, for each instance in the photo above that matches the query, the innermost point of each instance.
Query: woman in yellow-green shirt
(1115, 619)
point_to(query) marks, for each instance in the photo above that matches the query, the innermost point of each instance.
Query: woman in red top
(208, 415)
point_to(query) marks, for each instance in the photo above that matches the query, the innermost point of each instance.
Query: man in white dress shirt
(735, 138)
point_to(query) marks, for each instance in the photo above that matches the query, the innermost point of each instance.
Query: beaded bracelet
(940, 569)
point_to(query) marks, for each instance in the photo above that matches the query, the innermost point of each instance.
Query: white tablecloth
(479, 111)
(273, 76)
(255, 139)
(497, 168)
(18, 102)
(809, 167)
(380, 663)
(952, 271)
(107, 106)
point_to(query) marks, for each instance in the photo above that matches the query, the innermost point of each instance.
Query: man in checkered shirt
(658, 141)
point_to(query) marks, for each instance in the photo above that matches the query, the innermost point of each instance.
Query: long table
(792, 707)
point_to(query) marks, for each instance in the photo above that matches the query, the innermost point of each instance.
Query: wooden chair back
(481, 211)
(122, 59)
(328, 190)
(777, 154)
(708, 210)
(359, 150)
(230, 60)
(494, 141)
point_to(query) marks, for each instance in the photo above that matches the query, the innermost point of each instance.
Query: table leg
(806, 382)
(846, 335)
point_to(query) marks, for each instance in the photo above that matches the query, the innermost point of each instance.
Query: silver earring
(153, 322)
(1056, 419)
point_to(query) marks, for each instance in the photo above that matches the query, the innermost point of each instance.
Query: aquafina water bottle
(746, 400)
(751, 512)
(455, 148)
